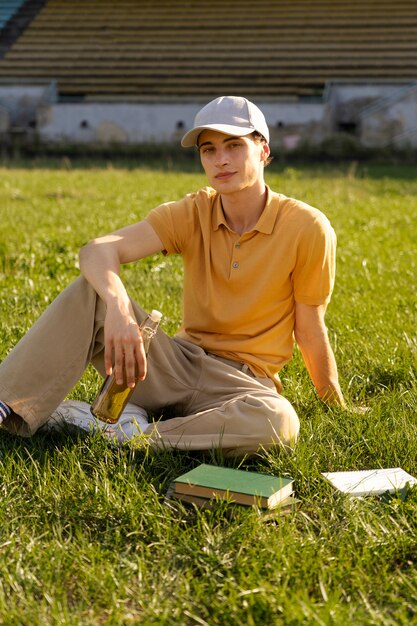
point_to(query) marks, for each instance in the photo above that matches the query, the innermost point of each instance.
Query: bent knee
(278, 422)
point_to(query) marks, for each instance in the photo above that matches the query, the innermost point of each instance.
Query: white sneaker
(132, 422)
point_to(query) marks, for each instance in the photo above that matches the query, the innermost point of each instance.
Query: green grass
(85, 536)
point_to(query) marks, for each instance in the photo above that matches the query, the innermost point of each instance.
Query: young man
(258, 271)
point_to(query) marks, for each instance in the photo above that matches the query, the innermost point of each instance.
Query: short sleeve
(314, 273)
(174, 223)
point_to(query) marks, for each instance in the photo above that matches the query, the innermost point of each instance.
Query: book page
(370, 481)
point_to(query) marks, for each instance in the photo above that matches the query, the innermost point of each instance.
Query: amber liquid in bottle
(112, 398)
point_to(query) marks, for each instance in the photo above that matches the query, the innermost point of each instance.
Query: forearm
(321, 366)
(100, 265)
(101, 258)
(312, 339)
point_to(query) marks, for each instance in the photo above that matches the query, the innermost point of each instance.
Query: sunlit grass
(85, 536)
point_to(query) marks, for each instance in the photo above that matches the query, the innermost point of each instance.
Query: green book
(250, 488)
(289, 505)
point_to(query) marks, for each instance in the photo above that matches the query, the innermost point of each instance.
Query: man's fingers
(124, 355)
(118, 364)
(108, 358)
(130, 366)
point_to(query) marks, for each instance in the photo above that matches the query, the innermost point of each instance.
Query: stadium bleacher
(280, 49)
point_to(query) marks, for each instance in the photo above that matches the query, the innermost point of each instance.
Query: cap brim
(190, 139)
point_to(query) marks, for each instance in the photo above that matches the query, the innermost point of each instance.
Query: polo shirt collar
(266, 222)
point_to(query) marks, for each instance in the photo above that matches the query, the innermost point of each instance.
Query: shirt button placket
(235, 264)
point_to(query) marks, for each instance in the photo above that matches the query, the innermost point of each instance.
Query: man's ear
(266, 151)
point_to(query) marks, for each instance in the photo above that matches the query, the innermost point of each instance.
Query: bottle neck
(148, 330)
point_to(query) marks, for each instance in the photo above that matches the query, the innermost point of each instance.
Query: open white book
(370, 482)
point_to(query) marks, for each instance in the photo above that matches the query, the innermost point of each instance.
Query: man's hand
(123, 340)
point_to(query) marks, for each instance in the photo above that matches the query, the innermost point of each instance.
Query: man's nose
(222, 158)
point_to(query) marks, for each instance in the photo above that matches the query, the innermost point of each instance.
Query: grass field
(85, 537)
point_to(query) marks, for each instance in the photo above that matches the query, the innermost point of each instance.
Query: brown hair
(259, 138)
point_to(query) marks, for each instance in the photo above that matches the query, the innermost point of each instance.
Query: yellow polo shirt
(240, 290)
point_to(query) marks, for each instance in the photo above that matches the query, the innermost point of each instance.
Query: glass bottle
(112, 397)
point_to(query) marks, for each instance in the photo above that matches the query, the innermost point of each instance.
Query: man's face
(231, 163)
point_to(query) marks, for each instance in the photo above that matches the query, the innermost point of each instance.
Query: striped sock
(5, 411)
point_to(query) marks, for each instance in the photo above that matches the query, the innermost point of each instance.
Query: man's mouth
(224, 175)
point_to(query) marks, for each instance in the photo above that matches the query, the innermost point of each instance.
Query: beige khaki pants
(212, 403)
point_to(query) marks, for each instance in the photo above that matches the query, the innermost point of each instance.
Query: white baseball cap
(231, 115)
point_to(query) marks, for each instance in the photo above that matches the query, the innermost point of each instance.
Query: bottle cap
(155, 315)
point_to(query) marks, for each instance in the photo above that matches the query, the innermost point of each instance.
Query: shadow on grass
(382, 378)
(160, 464)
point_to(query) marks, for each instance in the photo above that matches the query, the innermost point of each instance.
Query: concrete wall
(108, 123)
(22, 101)
(391, 121)
(377, 114)
(347, 100)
